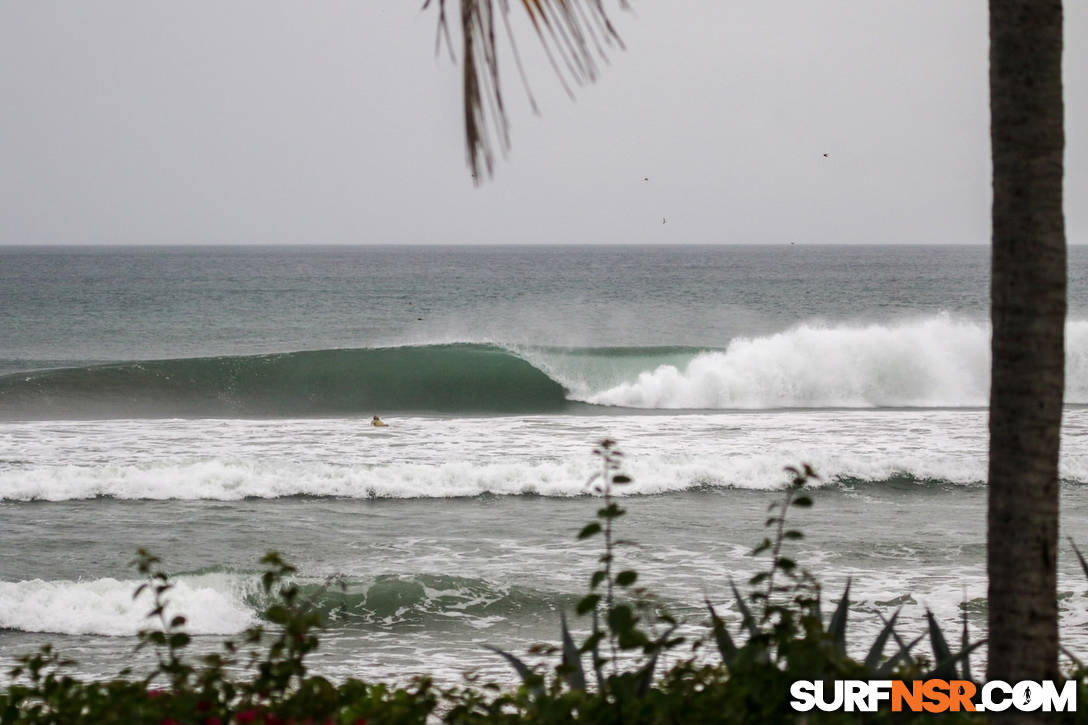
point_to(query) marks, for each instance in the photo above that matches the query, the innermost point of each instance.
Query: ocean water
(211, 404)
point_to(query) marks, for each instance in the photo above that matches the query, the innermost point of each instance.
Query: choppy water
(211, 404)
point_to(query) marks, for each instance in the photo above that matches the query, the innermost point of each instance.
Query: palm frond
(575, 35)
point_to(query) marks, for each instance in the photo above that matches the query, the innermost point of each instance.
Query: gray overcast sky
(294, 121)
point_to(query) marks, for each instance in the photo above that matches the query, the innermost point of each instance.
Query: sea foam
(935, 362)
(539, 455)
(212, 604)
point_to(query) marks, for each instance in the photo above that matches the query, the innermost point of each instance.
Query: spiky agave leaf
(528, 677)
(726, 647)
(965, 641)
(573, 33)
(946, 669)
(1080, 557)
(595, 652)
(903, 655)
(572, 660)
(876, 651)
(837, 627)
(747, 619)
(645, 675)
(942, 655)
(1076, 660)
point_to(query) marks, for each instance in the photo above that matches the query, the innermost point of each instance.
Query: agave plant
(782, 631)
(774, 634)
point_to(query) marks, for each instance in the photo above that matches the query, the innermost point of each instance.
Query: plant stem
(776, 549)
(608, 558)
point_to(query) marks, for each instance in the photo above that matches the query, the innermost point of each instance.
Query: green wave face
(431, 599)
(584, 371)
(461, 378)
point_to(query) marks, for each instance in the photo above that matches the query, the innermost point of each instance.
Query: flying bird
(827, 156)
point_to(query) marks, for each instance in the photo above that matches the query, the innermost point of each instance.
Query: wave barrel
(437, 378)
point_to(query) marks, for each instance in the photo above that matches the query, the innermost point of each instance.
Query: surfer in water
(378, 422)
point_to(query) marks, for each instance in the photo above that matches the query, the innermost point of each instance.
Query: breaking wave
(438, 378)
(233, 481)
(226, 603)
(936, 362)
(212, 603)
(939, 361)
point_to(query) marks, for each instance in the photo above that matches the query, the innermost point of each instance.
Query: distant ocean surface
(210, 404)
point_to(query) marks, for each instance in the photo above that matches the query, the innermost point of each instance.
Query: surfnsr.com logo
(933, 696)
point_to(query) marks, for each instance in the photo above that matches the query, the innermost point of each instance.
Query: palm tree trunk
(1028, 308)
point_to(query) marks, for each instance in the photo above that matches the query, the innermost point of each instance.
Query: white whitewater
(538, 455)
(939, 361)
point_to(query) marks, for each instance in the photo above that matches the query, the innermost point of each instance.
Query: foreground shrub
(614, 675)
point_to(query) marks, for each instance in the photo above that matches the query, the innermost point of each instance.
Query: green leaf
(793, 534)
(589, 530)
(588, 603)
(621, 479)
(633, 639)
(621, 618)
(802, 502)
(597, 578)
(277, 614)
(626, 578)
(611, 511)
